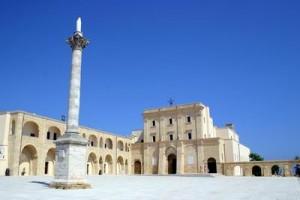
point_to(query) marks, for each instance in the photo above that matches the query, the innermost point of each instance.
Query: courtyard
(156, 187)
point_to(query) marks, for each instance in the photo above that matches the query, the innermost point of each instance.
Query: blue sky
(241, 58)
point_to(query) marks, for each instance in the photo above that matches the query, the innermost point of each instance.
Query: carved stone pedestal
(70, 168)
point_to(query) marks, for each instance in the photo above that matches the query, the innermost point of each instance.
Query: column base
(70, 168)
(69, 186)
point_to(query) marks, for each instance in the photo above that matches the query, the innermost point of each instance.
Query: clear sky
(240, 58)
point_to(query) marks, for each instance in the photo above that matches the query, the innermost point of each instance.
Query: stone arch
(30, 128)
(50, 162)
(101, 142)
(256, 170)
(137, 167)
(53, 133)
(108, 165)
(212, 165)
(237, 171)
(28, 161)
(126, 166)
(295, 168)
(120, 145)
(100, 166)
(13, 127)
(93, 141)
(275, 170)
(171, 156)
(92, 164)
(120, 165)
(170, 150)
(108, 143)
(172, 164)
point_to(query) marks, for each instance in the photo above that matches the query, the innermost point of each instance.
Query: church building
(178, 139)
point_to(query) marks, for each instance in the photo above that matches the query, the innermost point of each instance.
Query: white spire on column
(78, 24)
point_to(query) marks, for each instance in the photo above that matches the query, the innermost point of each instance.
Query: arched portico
(108, 143)
(275, 170)
(126, 166)
(93, 141)
(92, 164)
(120, 165)
(108, 165)
(30, 129)
(53, 133)
(100, 172)
(50, 162)
(120, 145)
(28, 161)
(256, 171)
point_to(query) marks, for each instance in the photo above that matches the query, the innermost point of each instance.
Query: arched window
(120, 146)
(92, 141)
(30, 129)
(53, 133)
(108, 143)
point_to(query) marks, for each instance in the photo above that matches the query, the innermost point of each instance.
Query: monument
(70, 168)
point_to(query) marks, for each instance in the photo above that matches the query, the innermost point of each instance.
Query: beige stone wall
(4, 129)
(31, 146)
(196, 146)
(265, 167)
(195, 141)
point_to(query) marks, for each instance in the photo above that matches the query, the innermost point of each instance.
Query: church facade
(183, 140)
(178, 139)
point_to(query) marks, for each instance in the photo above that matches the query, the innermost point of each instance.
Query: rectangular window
(188, 119)
(170, 121)
(171, 137)
(153, 123)
(48, 135)
(54, 136)
(153, 138)
(189, 136)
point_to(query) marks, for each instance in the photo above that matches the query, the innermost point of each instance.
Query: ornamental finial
(78, 24)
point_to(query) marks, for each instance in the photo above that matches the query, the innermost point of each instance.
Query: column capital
(77, 41)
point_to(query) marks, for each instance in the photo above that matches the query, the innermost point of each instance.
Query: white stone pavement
(156, 187)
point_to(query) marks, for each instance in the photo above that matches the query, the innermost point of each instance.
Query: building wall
(196, 146)
(194, 140)
(31, 146)
(4, 129)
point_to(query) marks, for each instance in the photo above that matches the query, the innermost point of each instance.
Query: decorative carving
(77, 41)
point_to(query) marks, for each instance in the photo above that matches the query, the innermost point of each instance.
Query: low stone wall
(260, 168)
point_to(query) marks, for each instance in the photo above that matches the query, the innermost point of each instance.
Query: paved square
(156, 187)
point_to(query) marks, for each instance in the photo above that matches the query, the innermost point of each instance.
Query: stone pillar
(71, 148)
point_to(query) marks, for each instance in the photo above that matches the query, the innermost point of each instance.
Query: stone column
(71, 148)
